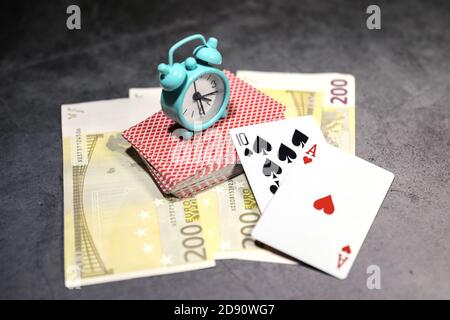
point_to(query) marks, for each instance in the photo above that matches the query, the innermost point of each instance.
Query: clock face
(203, 98)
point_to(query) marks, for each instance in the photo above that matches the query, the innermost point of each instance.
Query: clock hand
(201, 104)
(204, 98)
(198, 107)
(208, 94)
(195, 87)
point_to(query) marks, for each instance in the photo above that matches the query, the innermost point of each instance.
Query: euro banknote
(117, 225)
(232, 205)
(329, 97)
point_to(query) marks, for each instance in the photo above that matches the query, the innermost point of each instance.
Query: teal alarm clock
(195, 92)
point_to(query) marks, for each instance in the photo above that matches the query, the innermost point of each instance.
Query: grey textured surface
(403, 124)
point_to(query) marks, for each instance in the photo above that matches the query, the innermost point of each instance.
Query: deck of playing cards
(184, 167)
(317, 202)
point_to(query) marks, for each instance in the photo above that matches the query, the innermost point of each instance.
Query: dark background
(403, 124)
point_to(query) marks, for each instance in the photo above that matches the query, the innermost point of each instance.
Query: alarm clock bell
(209, 53)
(172, 75)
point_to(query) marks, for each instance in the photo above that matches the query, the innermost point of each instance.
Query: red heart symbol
(347, 249)
(306, 160)
(325, 204)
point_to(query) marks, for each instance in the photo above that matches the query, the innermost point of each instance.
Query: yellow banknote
(117, 225)
(235, 207)
(230, 208)
(329, 97)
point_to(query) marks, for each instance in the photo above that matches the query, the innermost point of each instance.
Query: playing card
(268, 150)
(324, 209)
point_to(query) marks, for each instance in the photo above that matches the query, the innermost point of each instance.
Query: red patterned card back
(174, 160)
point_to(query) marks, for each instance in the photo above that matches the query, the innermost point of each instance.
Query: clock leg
(183, 134)
(225, 113)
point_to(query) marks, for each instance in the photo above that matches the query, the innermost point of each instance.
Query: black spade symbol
(271, 168)
(261, 145)
(286, 153)
(299, 138)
